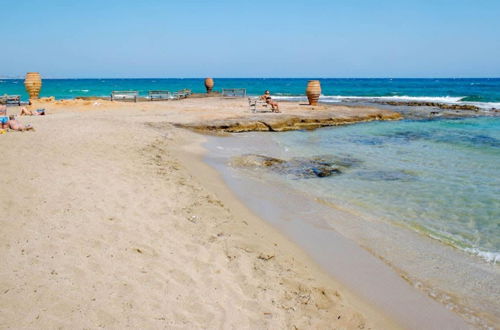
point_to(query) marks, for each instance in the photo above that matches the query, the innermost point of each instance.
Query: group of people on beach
(11, 123)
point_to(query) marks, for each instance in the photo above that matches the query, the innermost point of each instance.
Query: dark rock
(323, 171)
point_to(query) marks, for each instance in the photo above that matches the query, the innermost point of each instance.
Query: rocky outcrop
(283, 122)
(432, 104)
(321, 166)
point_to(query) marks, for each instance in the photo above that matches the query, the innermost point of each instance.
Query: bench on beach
(182, 94)
(124, 95)
(186, 92)
(257, 104)
(234, 92)
(10, 99)
(159, 95)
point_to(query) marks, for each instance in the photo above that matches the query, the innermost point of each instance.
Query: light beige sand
(103, 225)
(200, 110)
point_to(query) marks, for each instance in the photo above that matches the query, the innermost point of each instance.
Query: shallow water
(437, 178)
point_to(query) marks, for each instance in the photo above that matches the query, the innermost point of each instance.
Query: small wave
(343, 98)
(78, 90)
(456, 242)
(491, 257)
(404, 98)
(289, 98)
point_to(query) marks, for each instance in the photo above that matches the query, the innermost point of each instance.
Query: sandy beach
(110, 218)
(103, 225)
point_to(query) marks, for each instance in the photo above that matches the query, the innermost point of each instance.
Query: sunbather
(267, 98)
(17, 126)
(28, 112)
(3, 117)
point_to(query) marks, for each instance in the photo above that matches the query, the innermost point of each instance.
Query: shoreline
(341, 257)
(316, 225)
(193, 155)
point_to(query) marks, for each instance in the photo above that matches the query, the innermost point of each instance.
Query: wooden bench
(159, 95)
(124, 95)
(234, 92)
(11, 99)
(256, 103)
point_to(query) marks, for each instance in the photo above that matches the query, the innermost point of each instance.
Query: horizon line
(52, 78)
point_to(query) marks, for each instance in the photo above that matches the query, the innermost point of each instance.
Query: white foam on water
(484, 105)
(491, 257)
(403, 98)
(290, 98)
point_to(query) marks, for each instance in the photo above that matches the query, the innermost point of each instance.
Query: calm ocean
(483, 91)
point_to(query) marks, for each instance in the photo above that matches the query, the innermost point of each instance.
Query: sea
(484, 92)
(438, 179)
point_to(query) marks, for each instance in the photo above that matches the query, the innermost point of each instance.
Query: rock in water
(251, 160)
(296, 167)
(386, 175)
(324, 171)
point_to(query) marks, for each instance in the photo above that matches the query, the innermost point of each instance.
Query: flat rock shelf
(287, 122)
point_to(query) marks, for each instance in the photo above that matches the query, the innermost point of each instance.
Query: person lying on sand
(17, 126)
(267, 98)
(28, 112)
(3, 117)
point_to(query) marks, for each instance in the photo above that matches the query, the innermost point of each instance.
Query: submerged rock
(252, 160)
(386, 175)
(432, 104)
(296, 167)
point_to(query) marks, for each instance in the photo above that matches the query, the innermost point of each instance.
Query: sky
(222, 38)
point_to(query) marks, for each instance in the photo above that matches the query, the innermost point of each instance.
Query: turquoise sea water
(333, 90)
(440, 178)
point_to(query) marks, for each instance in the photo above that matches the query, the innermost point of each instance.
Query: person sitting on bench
(267, 98)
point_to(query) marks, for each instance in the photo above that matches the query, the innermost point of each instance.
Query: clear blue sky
(282, 38)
